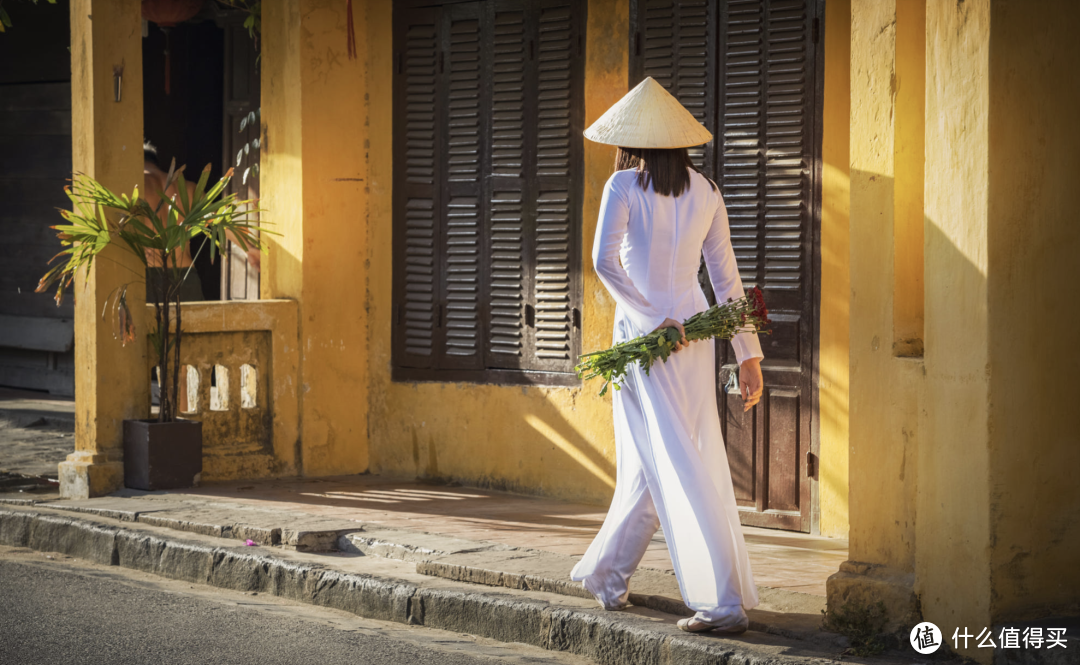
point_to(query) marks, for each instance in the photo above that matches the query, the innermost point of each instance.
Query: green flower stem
(722, 321)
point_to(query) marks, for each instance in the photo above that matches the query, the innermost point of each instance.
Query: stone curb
(614, 640)
(435, 555)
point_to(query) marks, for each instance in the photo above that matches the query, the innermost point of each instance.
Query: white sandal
(692, 625)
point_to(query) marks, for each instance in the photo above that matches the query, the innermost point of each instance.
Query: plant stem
(176, 361)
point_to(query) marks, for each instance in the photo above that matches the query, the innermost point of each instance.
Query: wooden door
(241, 135)
(762, 61)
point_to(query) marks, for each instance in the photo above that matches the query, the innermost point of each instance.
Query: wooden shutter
(556, 314)
(508, 196)
(769, 101)
(674, 41)
(416, 192)
(462, 214)
(535, 151)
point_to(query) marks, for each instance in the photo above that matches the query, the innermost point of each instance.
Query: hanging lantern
(167, 14)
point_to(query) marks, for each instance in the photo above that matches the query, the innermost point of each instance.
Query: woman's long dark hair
(665, 168)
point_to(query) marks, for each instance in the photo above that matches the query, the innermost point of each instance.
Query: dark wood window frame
(487, 194)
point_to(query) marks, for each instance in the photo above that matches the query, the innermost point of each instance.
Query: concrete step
(212, 518)
(392, 589)
(781, 612)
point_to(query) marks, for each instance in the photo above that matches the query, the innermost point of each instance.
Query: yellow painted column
(111, 381)
(953, 567)
(885, 378)
(315, 185)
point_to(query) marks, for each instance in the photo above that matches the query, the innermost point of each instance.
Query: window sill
(498, 377)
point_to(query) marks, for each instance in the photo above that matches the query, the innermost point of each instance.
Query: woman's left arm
(726, 283)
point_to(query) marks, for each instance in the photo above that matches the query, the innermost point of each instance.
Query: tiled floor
(780, 559)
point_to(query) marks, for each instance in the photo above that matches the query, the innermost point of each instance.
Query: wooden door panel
(739, 439)
(416, 193)
(781, 443)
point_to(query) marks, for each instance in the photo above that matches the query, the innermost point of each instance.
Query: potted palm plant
(166, 452)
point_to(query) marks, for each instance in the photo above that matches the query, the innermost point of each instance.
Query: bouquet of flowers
(721, 321)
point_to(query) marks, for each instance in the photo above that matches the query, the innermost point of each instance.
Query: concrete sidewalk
(781, 560)
(446, 578)
(484, 542)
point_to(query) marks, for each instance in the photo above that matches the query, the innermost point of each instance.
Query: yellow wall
(317, 185)
(1034, 313)
(909, 90)
(973, 438)
(835, 276)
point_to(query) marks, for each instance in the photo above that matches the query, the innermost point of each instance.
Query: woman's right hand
(672, 323)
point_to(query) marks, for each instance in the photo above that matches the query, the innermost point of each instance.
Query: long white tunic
(672, 469)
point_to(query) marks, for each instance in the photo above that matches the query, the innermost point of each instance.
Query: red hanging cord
(350, 38)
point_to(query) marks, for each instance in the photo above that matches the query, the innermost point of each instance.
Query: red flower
(758, 301)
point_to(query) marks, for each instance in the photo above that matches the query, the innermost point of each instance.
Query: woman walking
(658, 216)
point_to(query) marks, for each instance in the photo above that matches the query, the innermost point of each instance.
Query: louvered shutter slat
(507, 277)
(787, 171)
(507, 199)
(416, 214)
(553, 93)
(743, 130)
(462, 214)
(508, 94)
(552, 296)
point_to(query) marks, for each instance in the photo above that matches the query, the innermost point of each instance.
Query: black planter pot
(162, 456)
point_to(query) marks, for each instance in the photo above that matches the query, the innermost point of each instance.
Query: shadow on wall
(561, 434)
(524, 446)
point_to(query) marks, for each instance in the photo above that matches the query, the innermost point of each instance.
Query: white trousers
(672, 471)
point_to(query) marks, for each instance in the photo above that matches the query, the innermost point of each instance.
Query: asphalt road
(54, 609)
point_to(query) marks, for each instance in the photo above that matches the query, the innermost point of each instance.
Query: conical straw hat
(648, 117)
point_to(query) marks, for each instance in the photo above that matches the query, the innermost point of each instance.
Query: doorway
(200, 106)
(751, 71)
